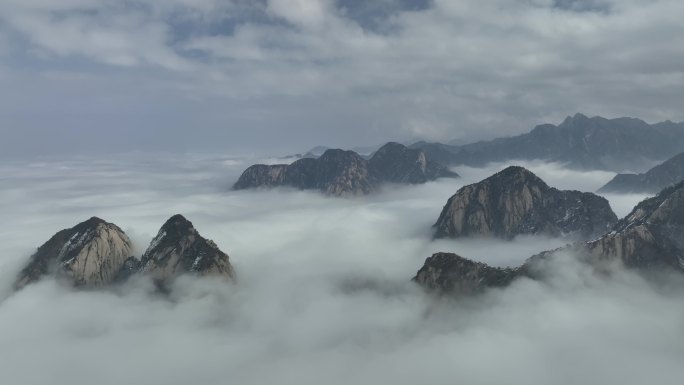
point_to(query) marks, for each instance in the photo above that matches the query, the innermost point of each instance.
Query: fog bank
(323, 292)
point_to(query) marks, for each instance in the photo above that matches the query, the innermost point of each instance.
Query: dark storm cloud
(294, 73)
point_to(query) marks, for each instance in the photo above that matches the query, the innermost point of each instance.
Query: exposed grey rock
(515, 201)
(178, 249)
(397, 163)
(89, 255)
(579, 142)
(659, 177)
(453, 274)
(650, 238)
(346, 173)
(261, 175)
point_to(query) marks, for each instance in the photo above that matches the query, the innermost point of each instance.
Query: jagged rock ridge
(178, 249)
(96, 253)
(650, 238)
(339, 172)
(397, 163)
(515, 201)
(89, 254)
(652, 235)
(659, 177)
(579, 142)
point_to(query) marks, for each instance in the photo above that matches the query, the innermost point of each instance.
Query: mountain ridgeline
(650, 238)
(346, 173)
(95, 254)
(515, 201)
(659, 177)
(578, 142)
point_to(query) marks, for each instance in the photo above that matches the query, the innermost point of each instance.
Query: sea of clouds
(323, 294)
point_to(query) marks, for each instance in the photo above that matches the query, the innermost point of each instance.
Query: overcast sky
(284, 75)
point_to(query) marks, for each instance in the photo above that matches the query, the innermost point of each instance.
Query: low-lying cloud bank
(323, 292)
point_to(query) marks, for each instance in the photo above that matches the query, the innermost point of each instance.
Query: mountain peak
(515, 201)
(178, 248)
(89, 254)
(575, 119)
(515, 175)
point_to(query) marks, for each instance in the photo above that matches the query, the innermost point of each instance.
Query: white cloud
(465, 69)
(323, 293)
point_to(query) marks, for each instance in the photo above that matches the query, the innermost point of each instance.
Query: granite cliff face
(650, 238)
(344, 173)
(515, 201)
(397, 163)
(95, 254)
(89, 255)
(179, 249)
(336, 172)
(659, 177)
(579, 142)
(449, 273)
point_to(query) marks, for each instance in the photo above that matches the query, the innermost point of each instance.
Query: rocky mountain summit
(650, 238)
(96, 253)
(345, 173)
(515, 201)
(396, 163)
(453, 274)
(579, 142)
(179, 249)
(89, 254)
(652, 235)
(659, 177)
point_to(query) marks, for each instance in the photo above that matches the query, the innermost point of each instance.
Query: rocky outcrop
(515, 202)
(453, 274)
(262, 175)
(650, 238)
(336, 172)
(579, 142)
(89, 255)
(179, 249)
(659, 177)
(397, 163)
(346, 173)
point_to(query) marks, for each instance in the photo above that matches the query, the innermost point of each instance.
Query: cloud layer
(292, 73)
(323, 294)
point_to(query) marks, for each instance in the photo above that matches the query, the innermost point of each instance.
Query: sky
(280, 76)
(323, 291)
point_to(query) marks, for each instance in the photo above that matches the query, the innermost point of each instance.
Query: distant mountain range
(579, 142)
(346, 173)
(663, 175)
